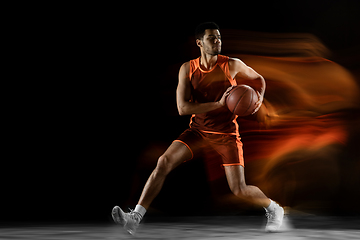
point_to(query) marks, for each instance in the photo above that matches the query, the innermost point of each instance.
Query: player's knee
(163, 165)
(236, 191)
(239, 191)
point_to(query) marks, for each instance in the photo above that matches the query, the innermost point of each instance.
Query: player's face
(211, 42)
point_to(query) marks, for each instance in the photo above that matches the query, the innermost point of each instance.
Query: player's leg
(177, 153)
(230, 148)
(173, 157)
(236, 180)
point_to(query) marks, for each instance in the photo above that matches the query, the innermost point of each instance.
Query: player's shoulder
(184, 70)
(185, 67)
(236, 61)
(185, 64)
(236, 64)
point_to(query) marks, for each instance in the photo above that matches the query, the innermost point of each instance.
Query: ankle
(140, 210)
(271, 206)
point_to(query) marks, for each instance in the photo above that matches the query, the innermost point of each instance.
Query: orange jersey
(209, 86)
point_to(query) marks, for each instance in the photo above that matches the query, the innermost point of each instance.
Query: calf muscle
(236, 180)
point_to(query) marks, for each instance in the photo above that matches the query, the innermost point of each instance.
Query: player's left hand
(258, 103)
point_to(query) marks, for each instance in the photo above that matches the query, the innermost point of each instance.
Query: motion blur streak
(311, 108)
(273, 44)
(306, 99)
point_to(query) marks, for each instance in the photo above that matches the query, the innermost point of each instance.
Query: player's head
(208, 38)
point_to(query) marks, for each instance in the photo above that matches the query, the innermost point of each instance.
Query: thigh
(235, 176)
(193, 140)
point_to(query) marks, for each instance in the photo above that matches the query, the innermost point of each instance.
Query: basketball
(241, 100)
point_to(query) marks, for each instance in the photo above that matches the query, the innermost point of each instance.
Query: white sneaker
(130, 221)
(275, 219)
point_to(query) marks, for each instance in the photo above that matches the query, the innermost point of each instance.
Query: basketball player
(203, 86)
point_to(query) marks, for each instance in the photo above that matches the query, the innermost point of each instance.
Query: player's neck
(207, 61)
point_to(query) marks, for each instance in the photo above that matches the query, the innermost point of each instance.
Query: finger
(257, 108)
(231, 87)
(227, 91)
(259, 95)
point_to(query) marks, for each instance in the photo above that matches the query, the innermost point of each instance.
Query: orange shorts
(228, 146)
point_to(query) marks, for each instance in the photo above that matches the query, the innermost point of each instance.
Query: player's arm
(183, 96)
(245, 73)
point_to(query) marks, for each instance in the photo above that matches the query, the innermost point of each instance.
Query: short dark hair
(200, 29)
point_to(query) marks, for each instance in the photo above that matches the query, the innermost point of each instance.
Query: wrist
(219, 104)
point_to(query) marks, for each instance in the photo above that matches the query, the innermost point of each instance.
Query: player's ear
(198, 42)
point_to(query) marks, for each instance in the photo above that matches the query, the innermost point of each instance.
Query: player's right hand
(222, 101)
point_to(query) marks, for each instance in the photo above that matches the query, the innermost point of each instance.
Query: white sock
(271, 206)
(140, 209)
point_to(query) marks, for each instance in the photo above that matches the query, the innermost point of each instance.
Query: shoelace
(134, 215)
(271, 216)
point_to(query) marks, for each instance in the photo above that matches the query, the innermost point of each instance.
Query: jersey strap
(222, 62)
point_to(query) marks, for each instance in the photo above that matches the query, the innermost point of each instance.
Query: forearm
(188, 108)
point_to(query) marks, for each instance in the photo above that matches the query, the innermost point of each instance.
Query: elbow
(182, 111)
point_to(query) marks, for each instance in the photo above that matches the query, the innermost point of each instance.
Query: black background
(94, 85)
